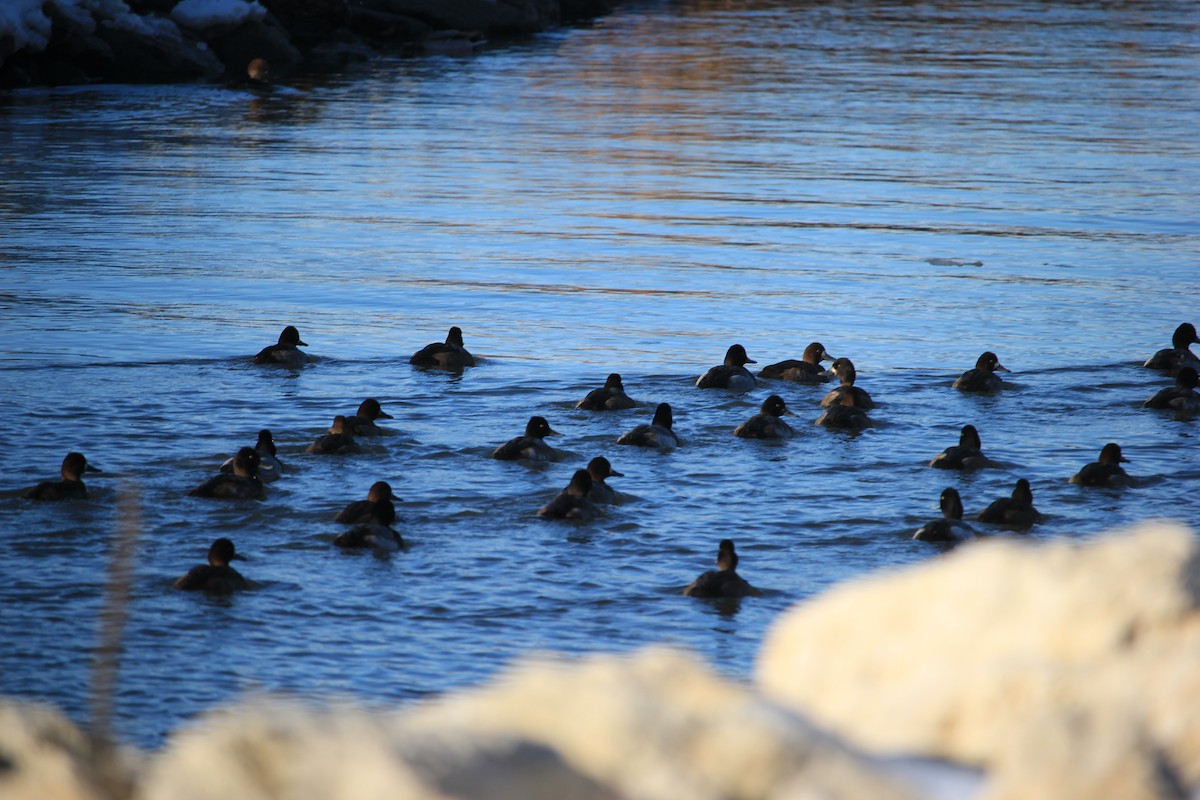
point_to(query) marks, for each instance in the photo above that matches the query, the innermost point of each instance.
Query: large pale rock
(657, 725)
(1068, 670)
(43, 755)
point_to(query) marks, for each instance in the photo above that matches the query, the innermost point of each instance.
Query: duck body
(572, 502)
(966, 456)
(844, 369)
(530, 446)
(950, 527)
(241, 484)
(1105, 472)
(215, 577)
(1180, 397)
(339, 441)
(375, 532)
(286, 351)
(732, 374)
(71, 487)
(1015, 512)
(448, 355)
(983, 378)
(768, 422)
(845, 415)
(1179, 354)
(610, 397)
(723, 581)
(364, 510)
(657, 434)
(807, 369)
(362, 422)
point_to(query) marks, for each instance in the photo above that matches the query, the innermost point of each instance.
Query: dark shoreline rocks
(176, 41)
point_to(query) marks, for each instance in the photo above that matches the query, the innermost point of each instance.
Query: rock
(255, 38)
(495, 18)
(42, 755)
(1067, 670)
(655, 726)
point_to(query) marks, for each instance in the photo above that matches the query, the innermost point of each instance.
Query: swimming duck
(270, 468)
(362, 510)
(339, 441)
(610, 397)
(1013, 512)
(286, 351)
(806, 370)
(449, 355)
(950, 528)
(967, 455)
(362, 423)
(1182, 396)
(1105, 471)
(983, 377)
(529, 446)
(724, 580)
(766, 424)
(374, 532)
(843, 368)
(656, 434)
(572, 502)
(732, 374)
(845, 414)
(1179, 354)
(241, 484)
(215, 577)
(599, 468)
(70, 487)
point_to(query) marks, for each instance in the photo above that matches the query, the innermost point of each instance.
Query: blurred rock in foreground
(1066, 670)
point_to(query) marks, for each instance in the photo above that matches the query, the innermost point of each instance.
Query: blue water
(908, 184)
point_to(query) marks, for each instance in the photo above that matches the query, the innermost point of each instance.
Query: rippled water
(908, 184)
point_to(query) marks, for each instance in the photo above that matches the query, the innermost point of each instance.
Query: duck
(1182, 396)
(70, 487)
(767, 423)
(724, 580)
(983, 378)
(529, 446)
(657, 433)
(449, 355)
(805, 370)
(844, 369)
(257, 78)
(950, 527)
(1013, 512)
(1179, 354)
(732, 374)
(362, 422)
(286, 351)
(609, 397)
(241, 484)
(270, 468)
(375, 532)
(967, 455)
(572, 502)
(361, 510)
(215, 577)
(1106, 471)
(845, 414)
(339, 441)
(599, 469)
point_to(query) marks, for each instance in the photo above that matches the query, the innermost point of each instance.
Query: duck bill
(90, 468)
(1002, 368)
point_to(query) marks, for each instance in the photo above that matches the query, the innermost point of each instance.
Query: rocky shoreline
(1005, 670)
(68, 42)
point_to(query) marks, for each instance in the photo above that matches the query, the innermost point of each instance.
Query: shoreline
(66, 43)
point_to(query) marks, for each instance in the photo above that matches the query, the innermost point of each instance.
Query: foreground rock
(654, 726)
(1067, 670)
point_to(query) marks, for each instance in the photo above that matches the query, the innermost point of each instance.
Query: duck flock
(370, 522)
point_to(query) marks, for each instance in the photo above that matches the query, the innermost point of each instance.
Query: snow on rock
(203, 14)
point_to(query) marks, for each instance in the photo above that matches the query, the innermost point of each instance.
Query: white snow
(201, 14)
